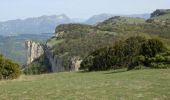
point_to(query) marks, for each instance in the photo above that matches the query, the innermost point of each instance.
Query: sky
(21, 9)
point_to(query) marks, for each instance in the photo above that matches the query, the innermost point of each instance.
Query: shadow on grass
(105, 72)
(82, 71)
(116, 71)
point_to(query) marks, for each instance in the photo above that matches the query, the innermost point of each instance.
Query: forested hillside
(79, 40)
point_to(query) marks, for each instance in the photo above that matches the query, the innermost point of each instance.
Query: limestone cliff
(54, 60)
(75, 63)
(57, 64)
(34, 51)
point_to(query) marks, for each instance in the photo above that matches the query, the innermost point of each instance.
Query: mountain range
(101, 17)
(47, 24)
(43, 24)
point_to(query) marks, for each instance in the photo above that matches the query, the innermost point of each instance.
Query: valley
(13, 47)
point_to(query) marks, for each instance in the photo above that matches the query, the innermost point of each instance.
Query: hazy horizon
(21, 9)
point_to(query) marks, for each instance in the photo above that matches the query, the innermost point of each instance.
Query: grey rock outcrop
(75, 63)
(34, 51)
(54, 60)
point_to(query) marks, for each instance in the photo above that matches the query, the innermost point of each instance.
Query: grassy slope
(163, 17)
(107, 85)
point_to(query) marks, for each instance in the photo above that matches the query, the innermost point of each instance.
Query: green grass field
(148, 84)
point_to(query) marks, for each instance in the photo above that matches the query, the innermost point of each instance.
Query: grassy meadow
(148, 84)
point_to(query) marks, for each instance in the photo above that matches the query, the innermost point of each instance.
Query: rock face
(75, 64)
(34, 51)
(54, 60)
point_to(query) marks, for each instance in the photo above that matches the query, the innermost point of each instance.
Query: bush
(139, 67)
(131, 53)
(161, 60)
(9, 69)
(152, 47)
(87, 63)
(122, 54)
(159, 65)
(102, 59)
(167, 58)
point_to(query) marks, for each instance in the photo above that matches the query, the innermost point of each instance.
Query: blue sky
(14, 9)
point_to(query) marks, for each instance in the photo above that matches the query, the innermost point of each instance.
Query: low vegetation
(106, 85)
(131, 53)
(8, 69)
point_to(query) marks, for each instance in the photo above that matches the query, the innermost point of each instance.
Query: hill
(107, 85)
(160, 12)
(73, 42)
(152, 26)
(47, 24)
(102, 17)
(37, 25)
(98, 18)
(161, 16)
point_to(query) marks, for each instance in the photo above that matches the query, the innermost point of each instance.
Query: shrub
(152, 47)
(159, 65)
(167, 58)
(131, 53)
(139, 67)
(128, 51)
(101, 59)
(122, 54)
(161, 60)
(9, 69)
(87, 63)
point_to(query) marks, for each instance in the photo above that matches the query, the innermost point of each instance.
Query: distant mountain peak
(98, 18)
(61, 17)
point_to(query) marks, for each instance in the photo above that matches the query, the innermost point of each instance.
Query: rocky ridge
(36, 50)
